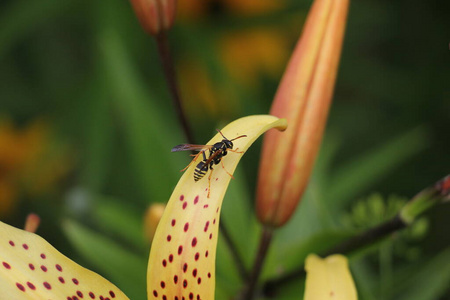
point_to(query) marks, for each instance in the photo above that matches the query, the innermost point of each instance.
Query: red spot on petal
(206, 226)
(58, 267)
(171, 258)
(43, 256)
(206, 253)
(164, 297)
(185, 266)
(205, 206)
(47, 285)
(12, 243)
(155, 293)
(184, 205)
(92, 295)
(44, 268)
(196, 200)
(180, 250)
(6, 265)
(210, 236)
(186, 227)
(197, 256)
(181, 197)
(31, 266)
(173, 222)
(191, 296)
(164, 263)
(199, 280)
(163, 284)
(112, 294)
(25, 246)
(175, 279)
(169, 237)
(214, 221)
(20, 287)
(185, 283)
(209, 275)
(31, 286)
(75, 281)
(194, 242)
(61, 279)
(194, 272)
(80, 294)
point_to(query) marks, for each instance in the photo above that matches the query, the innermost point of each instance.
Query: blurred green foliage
(90, 74)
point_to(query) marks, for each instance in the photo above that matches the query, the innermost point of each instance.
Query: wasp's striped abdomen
(200, 171)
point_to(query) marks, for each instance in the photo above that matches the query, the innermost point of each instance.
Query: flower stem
(249, 290)
(234, 252)
(169, 72)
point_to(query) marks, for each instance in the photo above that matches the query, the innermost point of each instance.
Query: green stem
(248, 293)
(234, 252)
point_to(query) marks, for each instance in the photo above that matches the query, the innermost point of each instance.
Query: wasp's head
(228, 144)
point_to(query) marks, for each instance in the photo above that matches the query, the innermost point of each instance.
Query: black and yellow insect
(216, 152)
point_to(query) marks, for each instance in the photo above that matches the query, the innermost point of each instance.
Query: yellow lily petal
(30, 268)
(182, 258)
(329, 278)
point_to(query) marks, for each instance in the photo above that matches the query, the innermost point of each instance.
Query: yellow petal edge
(329, 278)
(183, 253)
(30, 268)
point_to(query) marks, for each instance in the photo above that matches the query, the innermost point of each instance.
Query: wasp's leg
(223, 166)
(236, 150)
(209, 182)
(195, 157)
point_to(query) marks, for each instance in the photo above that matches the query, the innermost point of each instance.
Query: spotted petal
(329, 278)
(182, 258)
(30, 268)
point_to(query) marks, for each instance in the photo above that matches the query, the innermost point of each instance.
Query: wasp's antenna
(241, 136)
(221, 134)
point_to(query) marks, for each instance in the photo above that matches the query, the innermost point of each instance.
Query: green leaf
(429, 281)
(124, 268)
(358, 174)
(115, 217)
(98, 135)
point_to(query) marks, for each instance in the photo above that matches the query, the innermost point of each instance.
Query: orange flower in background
(244, 54)
(248, 54)
(303, 98)
(28, 164)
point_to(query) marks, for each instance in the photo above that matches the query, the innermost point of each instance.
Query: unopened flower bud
(155, 16)
(151, 220)
(303, 98)
(32, 223)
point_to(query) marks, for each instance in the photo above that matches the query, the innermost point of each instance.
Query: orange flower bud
(303, 98)
(32, 223)
(151, 220)
(155, 15)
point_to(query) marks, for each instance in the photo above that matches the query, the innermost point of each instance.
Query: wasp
(216, 152)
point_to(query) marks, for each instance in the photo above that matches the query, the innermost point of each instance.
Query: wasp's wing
(190, 147)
